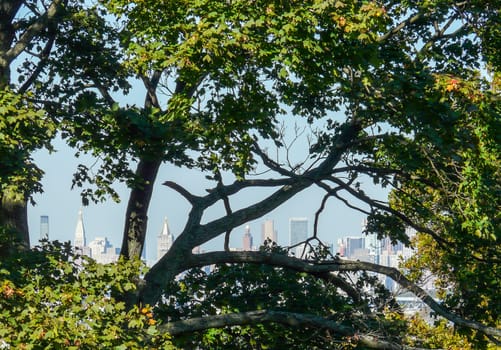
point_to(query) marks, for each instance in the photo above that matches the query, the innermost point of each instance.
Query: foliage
(53, 299)
(437, 335)
(467, 196)
(23, 129)
(246, 287)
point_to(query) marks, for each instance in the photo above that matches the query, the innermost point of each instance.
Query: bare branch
(182, 191)
(271, 163)
(351, 206)
(318, 212)
(376, 204)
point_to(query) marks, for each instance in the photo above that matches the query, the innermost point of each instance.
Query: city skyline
(361, 247)
(61, 203)
(165, 238)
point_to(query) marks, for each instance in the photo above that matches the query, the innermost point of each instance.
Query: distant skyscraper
(44, 227)
(102, 251)
(165, 240)
(268, 231)
(354, 245)
(247, 239)
(298, 230)
(80, 241)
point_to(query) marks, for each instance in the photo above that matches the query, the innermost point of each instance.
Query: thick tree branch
(182, 191)
(338, 265)
(400, 26)
(34, 29)
(227, 207)
(151, 99)
(281, 317)
(215, 228)
(195, 234)
(44, 55)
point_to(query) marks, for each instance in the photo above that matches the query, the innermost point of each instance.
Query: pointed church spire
(165, 239)
(165, 227)
(80, 241)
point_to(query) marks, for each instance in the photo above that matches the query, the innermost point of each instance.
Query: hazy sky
(62, 204)
(106, 219)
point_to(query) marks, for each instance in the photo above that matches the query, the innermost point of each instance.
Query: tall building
(165, 240)
(298, 230)
(44, 227)
(247, 239)
(355, 246)
(102, 251)
(80, 241)
(268, 231)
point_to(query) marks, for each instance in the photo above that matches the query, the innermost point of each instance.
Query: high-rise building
(298, 230)
(80, 241)
(165, 240)
(354, 246)
(268, 231)
(44, 227)
(247, 239)
(102, 251)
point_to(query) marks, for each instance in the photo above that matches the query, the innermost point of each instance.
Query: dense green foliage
(52, 299)
(466, 195)
(24, 129)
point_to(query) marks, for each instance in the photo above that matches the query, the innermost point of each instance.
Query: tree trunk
(13, 210)
(14, 223)
(136, 218)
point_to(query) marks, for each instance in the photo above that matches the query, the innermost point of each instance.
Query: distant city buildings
(80, 240)
(164, 240)
(247, 239)
(366, 248)
(268, 231)
(100, 249)
(103, 251)
(298, 230)
(44, 227)
(379, 251)
(355, 248)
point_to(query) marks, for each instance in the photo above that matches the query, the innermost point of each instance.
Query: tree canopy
(405, 94)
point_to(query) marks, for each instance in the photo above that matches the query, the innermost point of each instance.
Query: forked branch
(338, 265)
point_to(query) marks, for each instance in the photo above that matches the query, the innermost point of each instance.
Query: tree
(392, 91)
(26, 28)
(470, 211)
